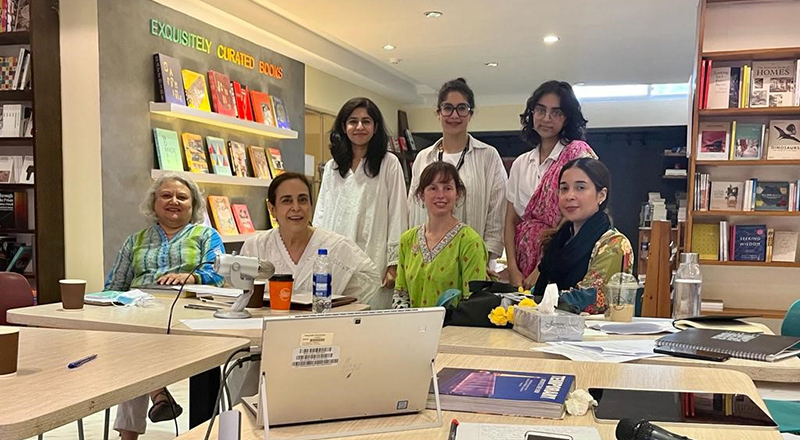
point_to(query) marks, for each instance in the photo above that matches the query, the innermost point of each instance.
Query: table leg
(203, 389)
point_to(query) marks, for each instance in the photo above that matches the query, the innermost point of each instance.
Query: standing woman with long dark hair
(479, 167)
(553, 125)
(363, 191)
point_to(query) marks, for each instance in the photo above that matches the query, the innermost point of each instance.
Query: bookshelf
(215, 178)
(210, 118)
(746, 287)
(240, 238)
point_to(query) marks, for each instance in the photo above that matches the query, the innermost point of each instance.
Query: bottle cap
(690, 257)
(322, 252)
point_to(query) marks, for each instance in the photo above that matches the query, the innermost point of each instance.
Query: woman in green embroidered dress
(443, 253)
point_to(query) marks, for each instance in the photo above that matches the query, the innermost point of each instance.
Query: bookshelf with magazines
(743, 216)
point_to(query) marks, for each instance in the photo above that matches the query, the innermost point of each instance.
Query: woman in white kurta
(363, 191)
(292, 246)
(479, 166)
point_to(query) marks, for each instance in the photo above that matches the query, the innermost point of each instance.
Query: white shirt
(352, 272)
(371, 211)
(525, 175)
(483, 208)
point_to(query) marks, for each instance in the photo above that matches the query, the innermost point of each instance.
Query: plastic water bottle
(686, 297)
(321, 302)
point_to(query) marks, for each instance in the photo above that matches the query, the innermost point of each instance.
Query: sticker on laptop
(315, 356)
(307, 339)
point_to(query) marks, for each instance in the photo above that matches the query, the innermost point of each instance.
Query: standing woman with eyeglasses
(554, 125)
(479, 167)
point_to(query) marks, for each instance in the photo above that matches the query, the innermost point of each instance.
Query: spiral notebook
(753, 346)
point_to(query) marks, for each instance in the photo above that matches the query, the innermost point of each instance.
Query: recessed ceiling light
(550, 39)
(388, 47)
(433, 14)
(491, 64)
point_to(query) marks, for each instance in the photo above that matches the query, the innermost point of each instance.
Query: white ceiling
(602, 41)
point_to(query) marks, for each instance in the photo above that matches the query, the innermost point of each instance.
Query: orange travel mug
(280, 292)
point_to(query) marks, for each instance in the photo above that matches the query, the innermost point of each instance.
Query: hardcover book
(21, 260)
(262, 108)
(28, 170)
(169, 82)
(705, 241)
(749, 242)
(748, 141)
(14, 209)
(168, 150)
(515, 393)
(784, 139)
(772, 196)
(242, 216)
(196, 92)
(258, 158)
(773, 83)
(726, 196)
(6, 169)
(713, 140)
(242, 96)
(223, 216)
(221, 97)
(784, 247)
(195, 153)
(719, 87)
(754, 346)
(238, 158)
(218, 155)
(281, 117)
(275, 162)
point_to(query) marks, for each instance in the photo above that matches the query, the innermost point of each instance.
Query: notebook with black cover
(752, 346)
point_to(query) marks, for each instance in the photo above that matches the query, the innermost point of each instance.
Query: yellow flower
(520, 289)
(510, 314)
(527, 302)
(498, 316)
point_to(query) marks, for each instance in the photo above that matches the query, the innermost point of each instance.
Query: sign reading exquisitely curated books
(202, 44)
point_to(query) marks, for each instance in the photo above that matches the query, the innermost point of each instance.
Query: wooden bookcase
(739, 170)
(44, 96)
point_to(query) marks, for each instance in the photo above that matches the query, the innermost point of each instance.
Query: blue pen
(80, 362)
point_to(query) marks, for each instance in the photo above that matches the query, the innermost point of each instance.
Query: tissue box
(563, 326)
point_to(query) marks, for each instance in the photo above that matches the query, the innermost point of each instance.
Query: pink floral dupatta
(542, 211)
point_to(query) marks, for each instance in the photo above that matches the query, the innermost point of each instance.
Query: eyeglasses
(462, 110)
(541, 111)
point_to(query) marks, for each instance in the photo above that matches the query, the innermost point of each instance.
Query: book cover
(21, 260)
(14, 209)
(726, 196)
(275, 162)
(772, 83)
(756, 346)
(168, 150)
(11, 121)
(733, 92)
(749, 242)
(748, 141)
(219, 156)
(719, 87)
(223, 216)
(258, 158)
(238, 158)
(770, 244)
(705, 241)
(784, 139)
(772, 196)
(196, 92)
(221, 99)
(28, 170)
(242, 96)
(262, 108)
(713, 140)
(169, 81)
(242, 216)
(281, 116)
(195, 153)
(784, 246)
(6, 169)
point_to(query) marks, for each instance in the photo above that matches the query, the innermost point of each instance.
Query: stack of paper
(639, 326)
(602, 351)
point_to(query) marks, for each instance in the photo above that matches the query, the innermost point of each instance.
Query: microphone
(627, 429)
(241, 271)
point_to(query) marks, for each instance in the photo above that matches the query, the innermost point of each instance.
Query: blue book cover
(749, 242)
(169, 81)
(506, 385)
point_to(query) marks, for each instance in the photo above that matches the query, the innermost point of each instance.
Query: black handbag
(474, 311)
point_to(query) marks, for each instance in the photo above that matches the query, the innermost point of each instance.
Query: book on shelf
(6, 169)
(711, 305)
(169, 81)
(196, 159)
(238, 158)
(784, 248)
(13, 209)
(26, 173)
(516, 393)
(702, 190)
(222, 101)
(754, 346)
(726, 196)
(773, 83)
(281, 116)
(713, 140)
(677, 172)
(12, 121)
(262, 108)
(258, 158)
(749, 242)
(17, 82)
(243, 220)
(719, 86)
(275, 162)
(748, 141)
(223, 216)
(21, 259)
(784, 140)
(8, 67)
(705, 241)
(196, 91)
(772, 196)
(242, 95)
(218, 155)
(168, 150)
(770, 244)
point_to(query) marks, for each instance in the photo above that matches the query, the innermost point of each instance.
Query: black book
(753, 346)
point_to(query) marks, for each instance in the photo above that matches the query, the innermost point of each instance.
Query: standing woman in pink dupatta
(554, 125)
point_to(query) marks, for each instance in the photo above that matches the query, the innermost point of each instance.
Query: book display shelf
(736, 79)
(35, 190)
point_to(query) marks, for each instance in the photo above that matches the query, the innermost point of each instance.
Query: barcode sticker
(315, 356)
(307, 339)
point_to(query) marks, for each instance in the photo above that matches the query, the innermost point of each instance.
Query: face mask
(134, 298)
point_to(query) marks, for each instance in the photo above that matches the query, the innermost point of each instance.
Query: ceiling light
(550, 39)
(388, 47)
(491, 64)
(433, 14)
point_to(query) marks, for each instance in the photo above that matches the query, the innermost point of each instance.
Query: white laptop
(344, 365)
